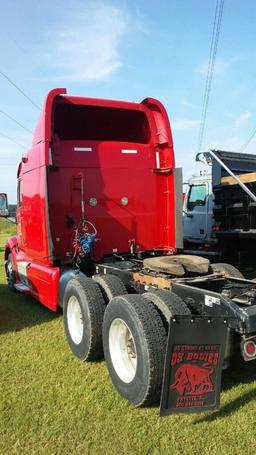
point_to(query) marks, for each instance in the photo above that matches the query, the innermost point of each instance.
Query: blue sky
(129, 50)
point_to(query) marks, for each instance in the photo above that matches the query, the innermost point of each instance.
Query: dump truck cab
(235, 206)
(3, 205)
(223, 216)
(197, 209)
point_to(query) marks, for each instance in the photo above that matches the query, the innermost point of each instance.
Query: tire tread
(168, 304)
(110, 285)
(228, 268)
(10, 280)
(96, 305)
(155, 337)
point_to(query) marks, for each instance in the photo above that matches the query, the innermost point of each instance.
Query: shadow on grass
(18, 311)
(230, 407)
(240, 372)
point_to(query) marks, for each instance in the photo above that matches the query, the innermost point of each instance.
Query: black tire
(139, 384)
(110, 285)
(168, 304)
(228, 269)
(84, 296)
(10, 273)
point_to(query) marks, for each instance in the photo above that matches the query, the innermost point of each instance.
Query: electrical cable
(210, 71)
(92, 225)
(248, 141)
(207, 77)
(14, 120)
(20, 90)
(82, 239)
(13, 140)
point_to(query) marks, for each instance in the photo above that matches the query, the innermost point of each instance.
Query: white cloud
(233, 144)
(251, 148)
(85, 47)
(228, 143)
(183, 124)
(221, 66)
(242, 119)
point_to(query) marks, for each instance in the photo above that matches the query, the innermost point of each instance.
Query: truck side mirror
(4, 212)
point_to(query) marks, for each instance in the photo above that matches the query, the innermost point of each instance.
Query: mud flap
(193, 364)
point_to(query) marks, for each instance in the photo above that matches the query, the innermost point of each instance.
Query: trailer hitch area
(241, 293)
(248, 348)
(193, 364)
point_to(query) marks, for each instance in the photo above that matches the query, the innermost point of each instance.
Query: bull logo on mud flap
(193, 375)
(193, 380)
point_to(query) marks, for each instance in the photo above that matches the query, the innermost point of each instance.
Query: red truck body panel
(118, 157)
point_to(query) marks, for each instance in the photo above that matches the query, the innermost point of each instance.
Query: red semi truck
(99, 226)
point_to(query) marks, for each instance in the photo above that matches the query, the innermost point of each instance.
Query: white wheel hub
(122, 350)
(75, 320)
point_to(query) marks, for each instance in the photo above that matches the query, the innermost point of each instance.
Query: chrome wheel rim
(9, 268)
(122, 350)
(75, 320)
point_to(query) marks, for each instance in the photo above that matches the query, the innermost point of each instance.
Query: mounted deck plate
(193, 365)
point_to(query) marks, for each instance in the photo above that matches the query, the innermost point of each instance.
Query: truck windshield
(197, 196)
(74, 122)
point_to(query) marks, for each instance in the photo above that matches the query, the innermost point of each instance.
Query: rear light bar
(248, 348)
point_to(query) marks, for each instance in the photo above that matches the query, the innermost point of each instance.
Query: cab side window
(197, 196)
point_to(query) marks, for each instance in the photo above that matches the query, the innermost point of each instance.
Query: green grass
(51, 403)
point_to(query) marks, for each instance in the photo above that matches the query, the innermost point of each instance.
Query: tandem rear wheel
(134, 341)
(10, 273)
(83, 309)
(135, 329)
(168, 305)
(110, 285)
(84, 303)
(132, 330)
